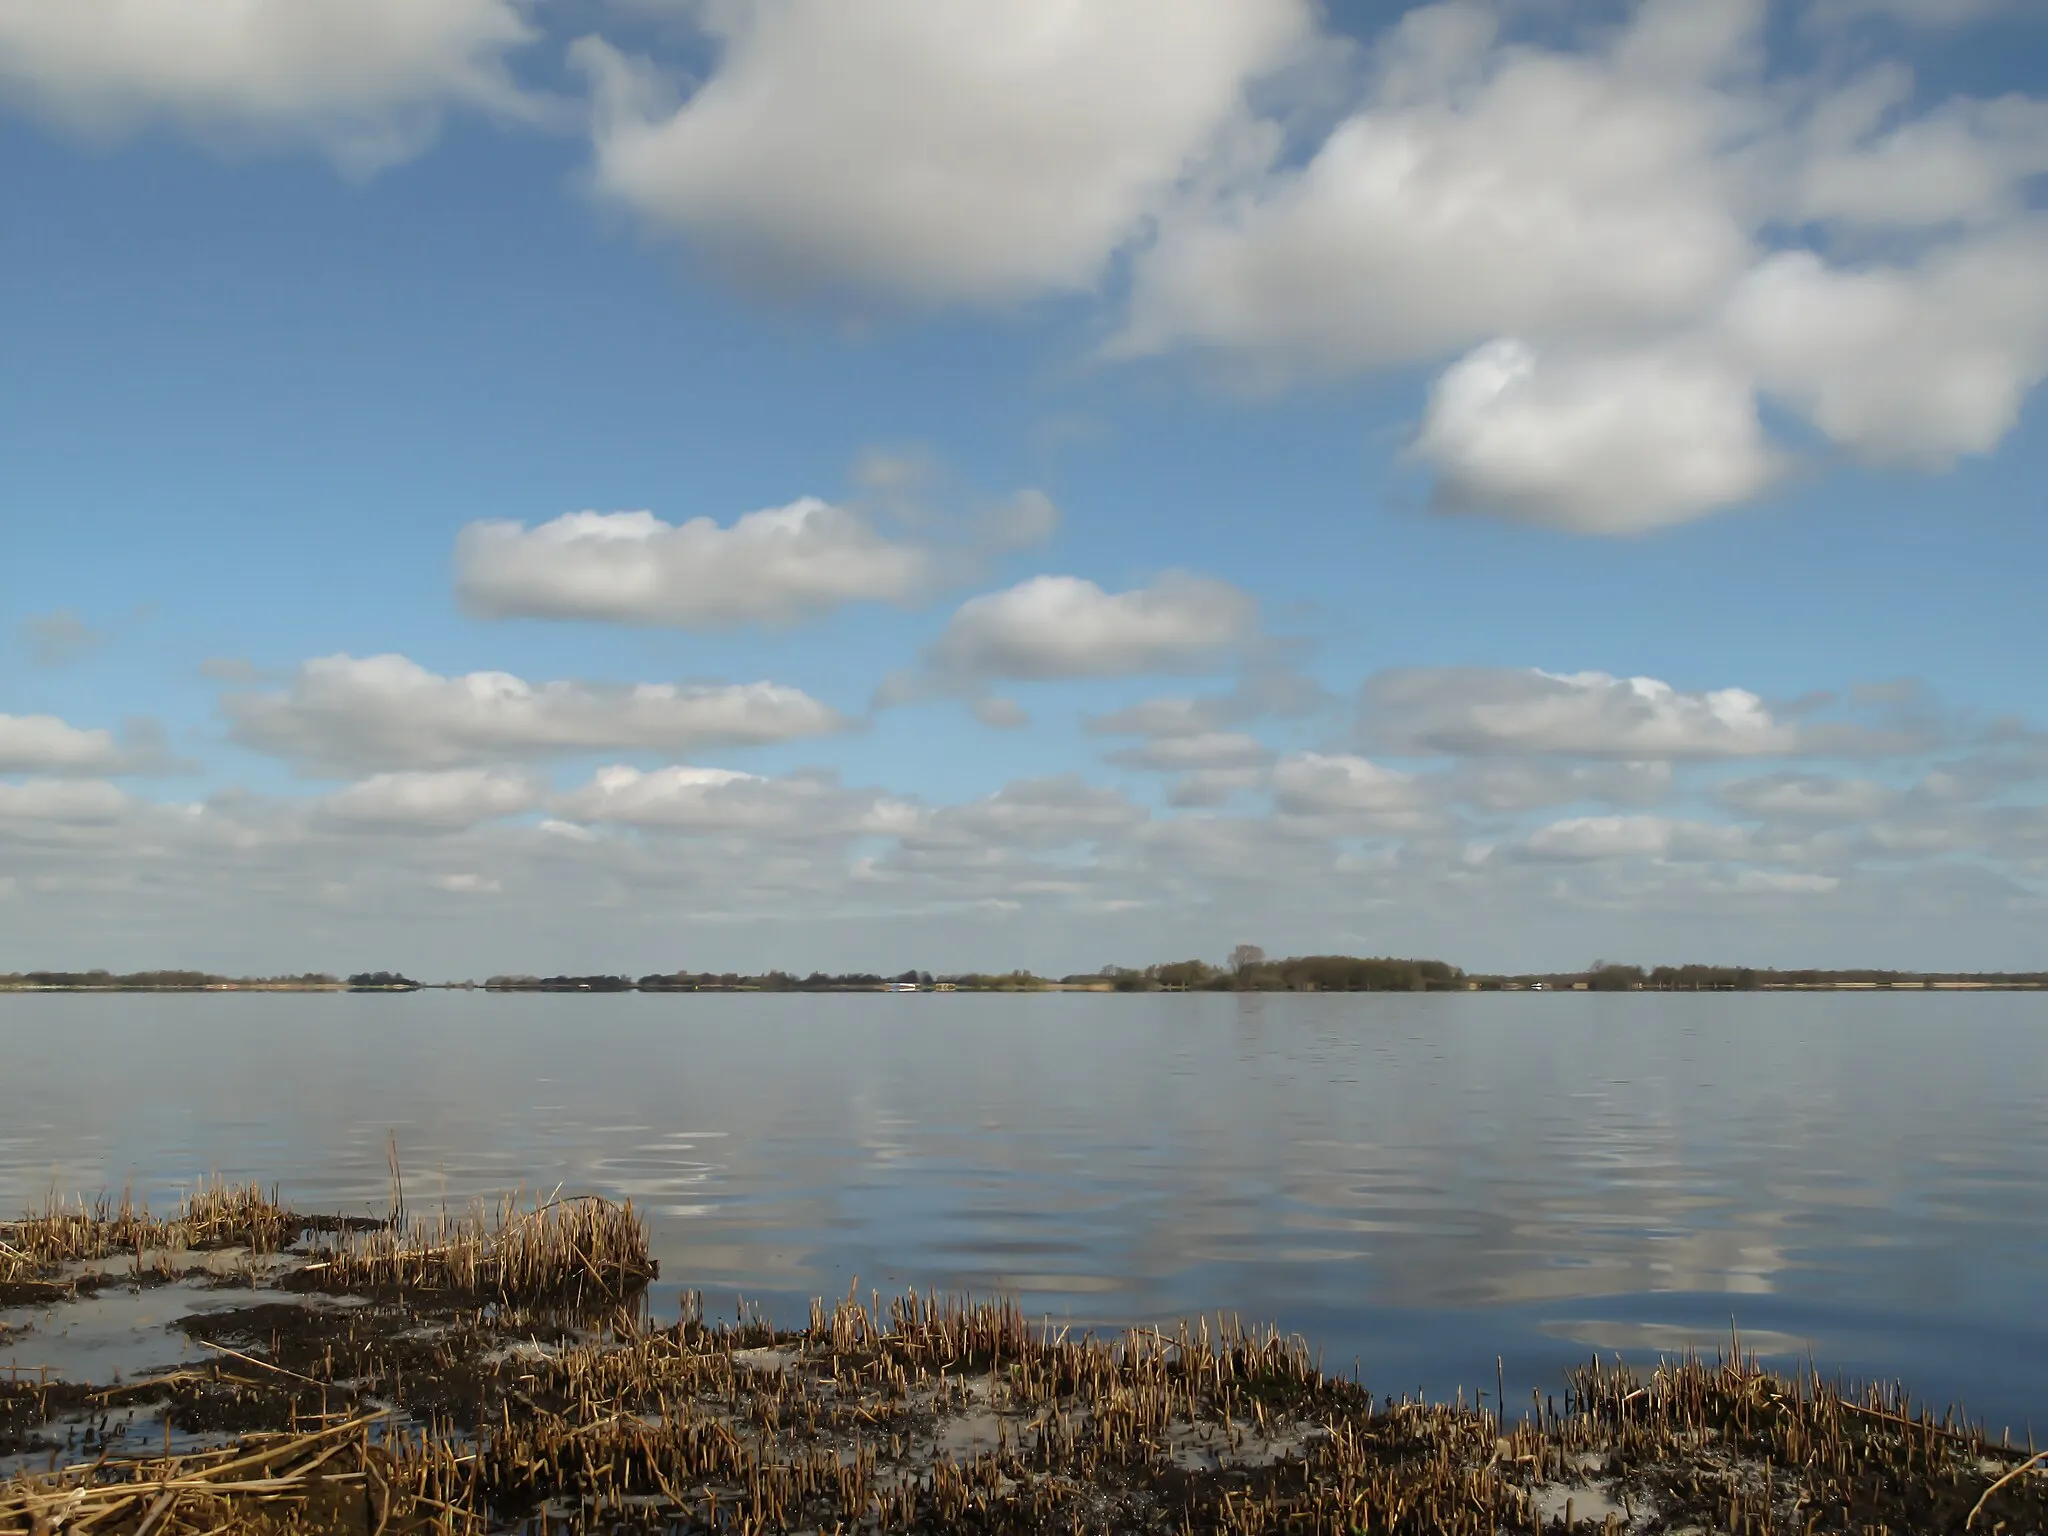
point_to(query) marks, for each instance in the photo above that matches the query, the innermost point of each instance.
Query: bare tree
(1245, 956)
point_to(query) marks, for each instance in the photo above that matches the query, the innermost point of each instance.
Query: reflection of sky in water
(1422, 1182)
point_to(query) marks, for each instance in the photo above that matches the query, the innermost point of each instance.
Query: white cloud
(720, 801)
(1806, 797)
(633, 865)
(1065, 627)
(347, 714)
(1594, 229)
(772, 566)
(1049, 812)
(364, 80)
(1508, 785)
(1209, 749)
(1904, 365)
(1318, 784)
(942, 150)
(1604, 444)
(1623, 837)
(1274, 692)
(1483, 190)
(469, 884)
(1207, 788)
(62, 800)
(1965, 161)
(1482, 712)
(431, 801)
(46, 744)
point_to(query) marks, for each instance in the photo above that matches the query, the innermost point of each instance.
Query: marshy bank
(501, 1371)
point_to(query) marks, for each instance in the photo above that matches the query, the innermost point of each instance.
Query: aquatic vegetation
(577, 1248)
(215, 1215)
(503, 1374)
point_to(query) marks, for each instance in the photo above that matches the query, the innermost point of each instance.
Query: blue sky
(1578, 472)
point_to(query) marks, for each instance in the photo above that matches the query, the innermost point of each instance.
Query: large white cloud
(385, 713)
(1868, 164)
(1904, 365)
(1066, 626)
(771, 566)
(47, 744)
(1606, 444)
(430, 801)
(363, 79)
(1594, 230)
(939, 149)
(1481, 190)
(1515, 712)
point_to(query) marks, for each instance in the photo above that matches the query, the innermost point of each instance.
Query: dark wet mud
(501, 1373)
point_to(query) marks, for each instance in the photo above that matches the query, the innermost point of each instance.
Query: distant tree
(1245, 957)
(382, 981)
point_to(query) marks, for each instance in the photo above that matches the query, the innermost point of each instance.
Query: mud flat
(500, 1372)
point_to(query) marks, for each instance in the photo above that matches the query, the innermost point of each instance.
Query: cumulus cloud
(1868, 166)
(1601, 231)
(1806, 797)
(1179, 753)
(1052, 812)
(1270, 692)
(720, 801)
(364, 80)
(1508, 785)
(430, 801)
(1328, 846)
(1617, 444)
(343, 714)
(773, 566)
(61, 800)
(1509, 712)
(1904, 365)
(46, 744)
(1318, 784)
(939, 150)
(1589, 838)
(1481, 190)
(1068, 627)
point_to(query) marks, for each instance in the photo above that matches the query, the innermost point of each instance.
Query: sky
(630, 485)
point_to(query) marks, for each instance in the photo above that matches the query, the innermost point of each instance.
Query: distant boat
(900, 986)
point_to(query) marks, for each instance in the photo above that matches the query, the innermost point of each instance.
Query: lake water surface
(1419, 1183)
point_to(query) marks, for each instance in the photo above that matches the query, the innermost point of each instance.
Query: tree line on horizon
(1248, 969)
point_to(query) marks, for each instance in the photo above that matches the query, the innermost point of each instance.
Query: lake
(1417, 1183)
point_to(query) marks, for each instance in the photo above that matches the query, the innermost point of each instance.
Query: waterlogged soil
(230, 1395)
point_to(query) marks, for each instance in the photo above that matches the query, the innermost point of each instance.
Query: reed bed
(352, 1476)
(933, 1416)
(215, 1215)
(575, 1249)
(504, 1376)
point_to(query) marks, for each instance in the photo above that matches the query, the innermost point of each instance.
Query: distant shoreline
(1470, 985)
